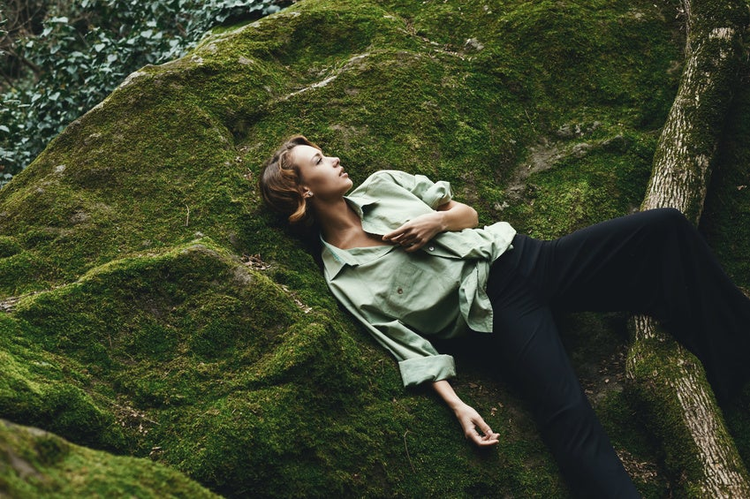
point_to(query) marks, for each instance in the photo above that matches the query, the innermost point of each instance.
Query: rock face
(151, 307)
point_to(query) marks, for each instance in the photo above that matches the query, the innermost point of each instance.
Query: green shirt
(406, 298)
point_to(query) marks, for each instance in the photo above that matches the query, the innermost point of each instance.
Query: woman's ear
(306, 193)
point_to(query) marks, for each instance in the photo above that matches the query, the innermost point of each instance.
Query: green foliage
(86, 49)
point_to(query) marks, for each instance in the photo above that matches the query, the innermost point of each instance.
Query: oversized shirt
(403, 298)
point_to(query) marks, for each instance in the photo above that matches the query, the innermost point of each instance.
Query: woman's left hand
(417, 232)
(475, 428)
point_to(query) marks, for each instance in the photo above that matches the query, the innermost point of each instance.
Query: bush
(61, 58)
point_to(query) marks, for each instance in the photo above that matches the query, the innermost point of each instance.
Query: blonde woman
(409, 263)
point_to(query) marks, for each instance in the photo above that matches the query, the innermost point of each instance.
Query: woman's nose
(336, 161)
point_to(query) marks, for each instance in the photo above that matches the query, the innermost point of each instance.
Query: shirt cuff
(432, 368)
(438, 194)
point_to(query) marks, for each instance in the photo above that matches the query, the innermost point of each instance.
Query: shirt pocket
(411, 289)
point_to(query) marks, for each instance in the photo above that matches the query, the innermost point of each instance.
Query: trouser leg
(530, 350)
(653, 262)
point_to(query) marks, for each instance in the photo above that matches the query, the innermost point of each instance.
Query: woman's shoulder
(389, 176)
(393, 177)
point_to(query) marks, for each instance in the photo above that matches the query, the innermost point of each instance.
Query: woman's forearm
(446, 392)
(420, 230)
(457, 216)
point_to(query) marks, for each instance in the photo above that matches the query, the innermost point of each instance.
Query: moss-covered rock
(151, 307)
(36, 463)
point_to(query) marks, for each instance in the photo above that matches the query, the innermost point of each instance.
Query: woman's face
(323, 176)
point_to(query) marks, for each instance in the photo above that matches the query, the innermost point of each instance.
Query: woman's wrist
(442, 220)
(451, 399)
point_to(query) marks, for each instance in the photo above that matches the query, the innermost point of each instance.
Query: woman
(408, 262)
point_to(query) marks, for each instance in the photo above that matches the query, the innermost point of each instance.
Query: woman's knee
(666, 223)
(668, 217)
(565, 413)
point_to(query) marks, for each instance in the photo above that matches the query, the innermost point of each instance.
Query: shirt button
(400, 291)
(431, 248)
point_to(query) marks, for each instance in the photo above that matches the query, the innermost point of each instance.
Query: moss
(657, 404)
(36, 389)
(37, 463)
(641, 454)
(180, 320)
(8, 247)
(24, 272)
(165, 332)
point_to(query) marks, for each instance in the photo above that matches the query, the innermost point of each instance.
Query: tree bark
(668, 382)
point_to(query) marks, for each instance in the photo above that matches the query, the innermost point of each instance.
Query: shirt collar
(358, 202)
(334, 259)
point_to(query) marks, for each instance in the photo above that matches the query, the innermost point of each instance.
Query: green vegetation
(59, 58)
(40, 464)
(154, 309)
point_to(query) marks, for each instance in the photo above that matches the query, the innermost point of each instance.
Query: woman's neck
(336, 218)
(341, 226)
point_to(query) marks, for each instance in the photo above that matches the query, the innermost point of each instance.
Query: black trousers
(653, 262)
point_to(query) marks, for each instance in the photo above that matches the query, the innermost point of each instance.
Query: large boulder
(36, 463)
(152, 307)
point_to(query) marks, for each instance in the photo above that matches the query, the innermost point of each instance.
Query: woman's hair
(279, 184)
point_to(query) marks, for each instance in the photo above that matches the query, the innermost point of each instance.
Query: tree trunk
(668, 382)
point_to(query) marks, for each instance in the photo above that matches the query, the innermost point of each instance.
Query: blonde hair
(280, 180)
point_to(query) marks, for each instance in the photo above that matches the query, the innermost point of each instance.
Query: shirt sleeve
(418, 361)
(432, 193)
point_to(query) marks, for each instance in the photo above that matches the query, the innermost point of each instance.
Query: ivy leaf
(79, 65)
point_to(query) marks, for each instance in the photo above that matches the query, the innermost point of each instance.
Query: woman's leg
(653, 262)
(530, 350)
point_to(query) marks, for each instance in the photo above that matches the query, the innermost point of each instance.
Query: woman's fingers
(487, 439)
(395, 235)
(476, 429)
(406, 239)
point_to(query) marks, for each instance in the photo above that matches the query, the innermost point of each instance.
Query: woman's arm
(457, 216)
(417, 232)
(470, 420)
